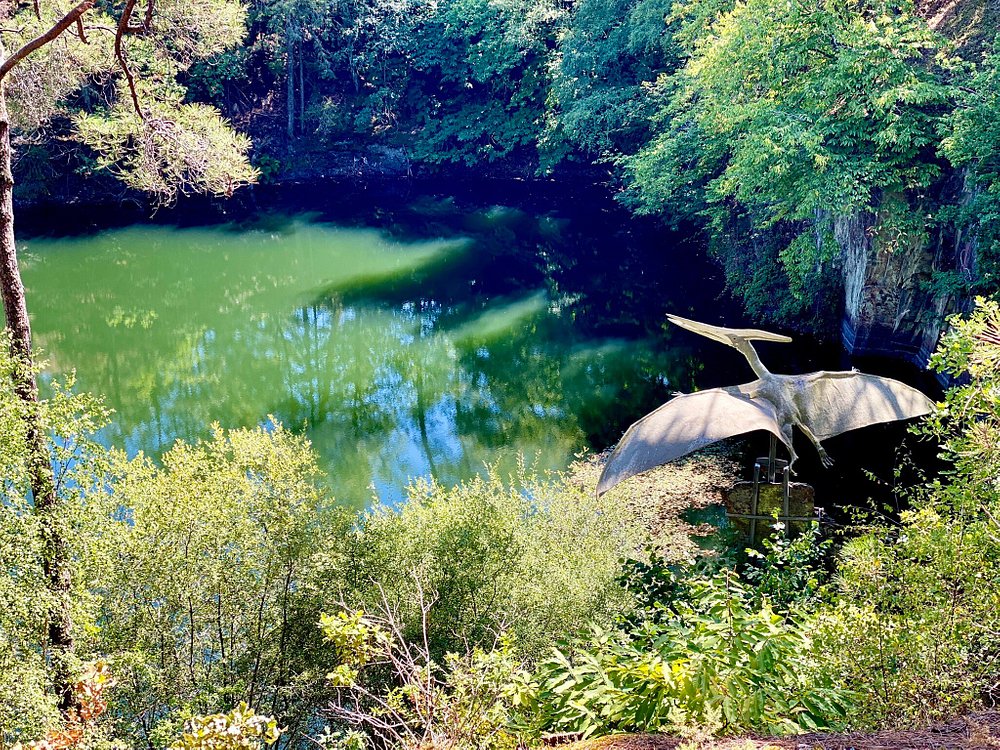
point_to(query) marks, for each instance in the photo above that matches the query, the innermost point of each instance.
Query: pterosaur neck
(746, 349)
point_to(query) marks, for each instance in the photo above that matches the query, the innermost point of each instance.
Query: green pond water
(425, 340)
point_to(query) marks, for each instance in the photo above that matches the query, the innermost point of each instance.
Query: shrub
(532, 557)
(917, 631)
(393, 689)
(27, 704)
(218, 565)
(80, 726)
(790, 571)
(719, 663)
(240, 729)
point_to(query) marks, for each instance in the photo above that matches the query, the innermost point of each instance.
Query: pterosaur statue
(820, 404)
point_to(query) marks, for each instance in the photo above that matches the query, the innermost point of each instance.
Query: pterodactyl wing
(836, 402)
(683, 425)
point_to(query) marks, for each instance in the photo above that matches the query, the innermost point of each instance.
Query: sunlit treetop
(112, 70)
(800, 107)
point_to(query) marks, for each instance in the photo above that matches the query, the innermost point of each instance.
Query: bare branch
(990, 336)
(80, 32)
(123, 27)
(42, 39)
(98, 27)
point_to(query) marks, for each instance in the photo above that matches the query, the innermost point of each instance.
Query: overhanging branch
(42, 39)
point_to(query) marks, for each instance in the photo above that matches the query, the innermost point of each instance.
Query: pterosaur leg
(823, 455)
(786, 438)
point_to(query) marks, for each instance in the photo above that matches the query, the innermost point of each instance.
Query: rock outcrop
(896, 298)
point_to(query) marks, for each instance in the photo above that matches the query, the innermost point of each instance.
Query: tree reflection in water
(399, 357)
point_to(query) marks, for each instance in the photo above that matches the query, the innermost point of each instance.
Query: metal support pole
(776, 472)
(785, 475)
(766, 470)
(757, 470)
(772, 454)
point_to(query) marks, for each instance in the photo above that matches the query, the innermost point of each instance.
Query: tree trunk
(302, 91)
(56, 554)
(290, 94)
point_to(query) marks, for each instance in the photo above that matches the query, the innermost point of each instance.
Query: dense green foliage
(26, 703)
(531, 559)
(597, 106)
(224, 578)
(123, 99)
(213, 572)
(972, 141)
(785, 119)
(718, 661)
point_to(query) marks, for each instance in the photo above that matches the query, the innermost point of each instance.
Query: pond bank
(673, 501)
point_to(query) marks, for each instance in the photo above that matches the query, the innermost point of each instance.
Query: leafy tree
(27, 704)
(795, 115)
(607, 53)
(155, 148)
(482, 82)
(212, 581)
(528, 556)
(972, 141)
(458, 82)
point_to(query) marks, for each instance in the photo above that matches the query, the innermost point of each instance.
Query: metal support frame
(766, 470)
(769, 467)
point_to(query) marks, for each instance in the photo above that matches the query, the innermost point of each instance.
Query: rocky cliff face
(896, 301)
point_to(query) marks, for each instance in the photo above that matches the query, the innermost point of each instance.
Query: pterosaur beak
(727, 336)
